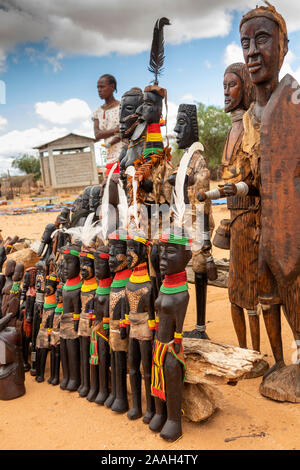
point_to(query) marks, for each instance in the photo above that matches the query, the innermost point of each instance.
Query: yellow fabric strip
(89, 288)
(139, 279)
(154, 138)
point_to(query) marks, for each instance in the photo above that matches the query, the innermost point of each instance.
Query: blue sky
(51, 77)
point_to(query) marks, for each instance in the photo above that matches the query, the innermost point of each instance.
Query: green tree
(214, 125)
(29, 164)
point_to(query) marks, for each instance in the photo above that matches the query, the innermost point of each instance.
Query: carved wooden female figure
(168, 369)
(118, 339)
(99, 351)
(69, 341)
(88, 290)
(141, 320)
(43, 337)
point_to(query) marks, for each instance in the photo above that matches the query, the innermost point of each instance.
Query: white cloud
(233, 53)
(288, 68)
(98, 28)
(18, 142)
(187, 98)
(3, 122)
(66, 112)
(85, 128)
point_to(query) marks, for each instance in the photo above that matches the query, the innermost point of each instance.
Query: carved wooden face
(173, 258)
(19, 272)
(184, 131)
(71, 266)
(86, 268)
(151, 109)
(117, 255)
(102, 270)
(128, 106)
(233, 91)
(260, 43)
(105, 89)
(50, 287)
(10, 268)
(136, 253)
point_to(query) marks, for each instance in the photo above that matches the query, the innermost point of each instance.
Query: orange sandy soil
(47, 417)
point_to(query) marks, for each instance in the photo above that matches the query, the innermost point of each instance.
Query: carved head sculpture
(130, 101)
(12, 374)
(174, 253)
(86, 197)
(10, 268)
(137, 248)
(151, 109)
(46, 239)
(52, 282)
(106, 86)
(102, 270)
(30, 274)
(18, 272)
(186, 126)
(2, 256)
(117, 250)
(87, 269)
(239, 91)
(94, 201)
(71, 267)
(40, 276)
(64, 217)
(264, 41)
(77, 205)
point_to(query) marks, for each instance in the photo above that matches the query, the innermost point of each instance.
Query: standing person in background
(106, 119)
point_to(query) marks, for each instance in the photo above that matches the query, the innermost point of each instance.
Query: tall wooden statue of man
(272, 141)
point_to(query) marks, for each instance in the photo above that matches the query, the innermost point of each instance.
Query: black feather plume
(157, 54)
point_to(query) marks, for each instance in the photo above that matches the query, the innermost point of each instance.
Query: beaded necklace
(140, 274)
(50, 301)
(104, 286)
(89, 285)
(15, 289)
(73, 284)
(174, 283)
(121, 278)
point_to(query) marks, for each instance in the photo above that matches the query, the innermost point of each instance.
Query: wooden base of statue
(210, 364)
(282, 385)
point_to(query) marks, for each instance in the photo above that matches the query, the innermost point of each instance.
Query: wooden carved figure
(12, 376)
(99, 350)
(239, 93)
(2, 276)
(44, 334)
(13, 300)
(132, 131)
(40, 279)
(69, 341)
(197, 179)
(55, 338)
(27, 302)
(271, 138)
(9, 272)
(168, 369)
(88, 290)
(118, 339)
(141, 321)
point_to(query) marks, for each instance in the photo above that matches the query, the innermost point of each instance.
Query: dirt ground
(49, 418)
